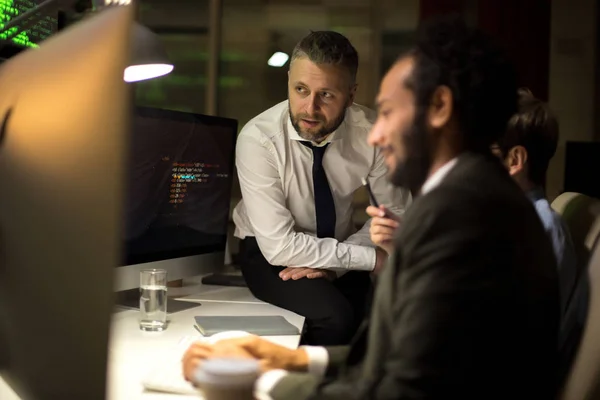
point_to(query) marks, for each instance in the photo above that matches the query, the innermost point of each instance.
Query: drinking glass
(153, 300)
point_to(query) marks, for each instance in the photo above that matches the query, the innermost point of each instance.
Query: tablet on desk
(261, 325)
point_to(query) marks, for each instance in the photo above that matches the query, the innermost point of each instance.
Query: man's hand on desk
(296, 273)
(201, 351)
(270, 355)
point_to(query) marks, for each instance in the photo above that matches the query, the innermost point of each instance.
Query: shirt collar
(438, 176)
(335, 135)
(536, 194)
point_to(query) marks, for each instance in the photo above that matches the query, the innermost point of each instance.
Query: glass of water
(153, 300)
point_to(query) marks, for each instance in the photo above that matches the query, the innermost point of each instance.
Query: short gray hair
(328, 47)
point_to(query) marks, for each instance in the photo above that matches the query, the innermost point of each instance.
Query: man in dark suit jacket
(468, 305)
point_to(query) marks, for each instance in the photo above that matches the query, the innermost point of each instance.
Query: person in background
(467, 307)
(299, 165)
(526, 149)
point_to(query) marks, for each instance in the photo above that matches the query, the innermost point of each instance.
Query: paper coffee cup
(227, 378)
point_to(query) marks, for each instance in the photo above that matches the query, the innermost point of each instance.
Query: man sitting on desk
(299, 165)
(468, 307)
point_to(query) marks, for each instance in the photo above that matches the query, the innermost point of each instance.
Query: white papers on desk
(166, 373)
(220, 294)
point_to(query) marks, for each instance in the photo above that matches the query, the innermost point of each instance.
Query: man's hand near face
(270, 356)
(384, 225)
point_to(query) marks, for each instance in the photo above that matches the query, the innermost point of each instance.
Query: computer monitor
(179, 183)
(582, 160)
(63, 116)
(46, 26)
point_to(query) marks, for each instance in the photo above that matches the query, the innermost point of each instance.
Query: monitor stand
(131, 299)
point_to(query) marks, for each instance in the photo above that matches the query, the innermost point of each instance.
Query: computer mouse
(226, 335)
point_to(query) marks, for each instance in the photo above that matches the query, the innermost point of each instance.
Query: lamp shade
(148, 56)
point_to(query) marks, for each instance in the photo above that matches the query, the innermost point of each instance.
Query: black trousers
(333, 310)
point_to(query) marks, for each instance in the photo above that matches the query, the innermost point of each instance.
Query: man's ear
(440, 110)
(352, 95)
(516, 160)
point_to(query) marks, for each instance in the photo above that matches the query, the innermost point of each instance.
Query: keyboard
(167, 375)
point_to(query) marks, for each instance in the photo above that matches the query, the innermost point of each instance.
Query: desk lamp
(148, 57)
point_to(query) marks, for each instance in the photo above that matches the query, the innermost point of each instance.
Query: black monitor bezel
(575, 156)
(228, 123)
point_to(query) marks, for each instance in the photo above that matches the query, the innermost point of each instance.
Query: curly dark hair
(482, 81)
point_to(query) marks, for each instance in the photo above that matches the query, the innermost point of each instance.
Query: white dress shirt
(438, 176)
(318, 358)
(277, 206)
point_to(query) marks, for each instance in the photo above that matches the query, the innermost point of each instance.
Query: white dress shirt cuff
(318, 359)
(267, 382)
(363, 259)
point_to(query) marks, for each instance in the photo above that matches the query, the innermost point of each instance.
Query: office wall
(523, 29)
(573, 77)
(183, 28)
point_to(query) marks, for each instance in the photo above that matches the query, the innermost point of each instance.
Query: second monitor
(178, 194)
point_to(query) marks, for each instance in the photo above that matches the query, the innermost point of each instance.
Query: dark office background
(220, 50)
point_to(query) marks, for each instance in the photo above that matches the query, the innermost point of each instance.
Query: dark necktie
(324, 205)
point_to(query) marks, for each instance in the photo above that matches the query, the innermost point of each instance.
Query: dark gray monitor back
(62, 152)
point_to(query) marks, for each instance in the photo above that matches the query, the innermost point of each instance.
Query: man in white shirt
(299, 165)
(468, 306)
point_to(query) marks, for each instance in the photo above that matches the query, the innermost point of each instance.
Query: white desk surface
(132, 351)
